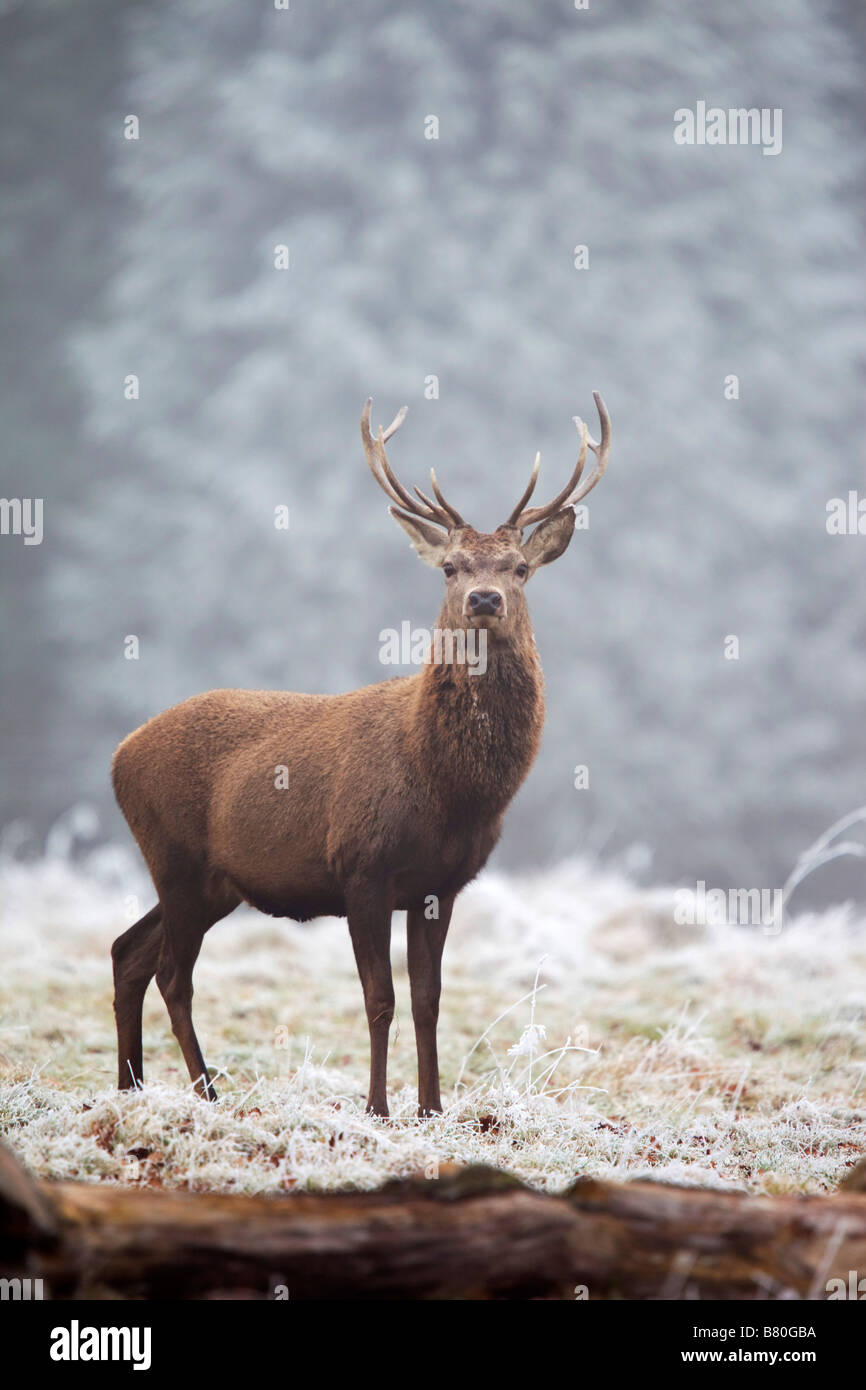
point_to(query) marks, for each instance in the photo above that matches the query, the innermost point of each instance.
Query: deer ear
(429, 541)
(549, 539)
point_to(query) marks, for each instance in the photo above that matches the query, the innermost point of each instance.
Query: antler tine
(377, 459)
(572, 493)
(395, 423)
(375, 452)
(402, 496)
(447, 507)
(534, 514)
(512, 520)
(456, 518)
(428, 501)
(601, 450)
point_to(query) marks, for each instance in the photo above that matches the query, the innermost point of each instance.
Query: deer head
(485, 573)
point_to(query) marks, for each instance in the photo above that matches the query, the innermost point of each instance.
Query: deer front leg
(370, 929)
(425, 940)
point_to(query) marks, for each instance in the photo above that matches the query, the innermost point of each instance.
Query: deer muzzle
(484, 603)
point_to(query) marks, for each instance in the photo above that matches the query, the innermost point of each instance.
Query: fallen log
(650, 1240)
(472, 1233)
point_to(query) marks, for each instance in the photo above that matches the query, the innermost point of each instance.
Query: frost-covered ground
(722, 1056)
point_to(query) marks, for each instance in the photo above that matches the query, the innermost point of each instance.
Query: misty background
(409, 258)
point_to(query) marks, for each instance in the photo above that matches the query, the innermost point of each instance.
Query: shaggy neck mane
(479, 733)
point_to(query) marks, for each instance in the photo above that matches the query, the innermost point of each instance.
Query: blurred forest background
(412, 257)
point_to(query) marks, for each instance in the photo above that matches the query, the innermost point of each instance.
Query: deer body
(386, 798)
(417, 800)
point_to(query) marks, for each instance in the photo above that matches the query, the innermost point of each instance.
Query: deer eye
(522, 570)
(448, 569)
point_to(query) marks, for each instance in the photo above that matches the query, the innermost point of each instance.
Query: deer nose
(484, 602)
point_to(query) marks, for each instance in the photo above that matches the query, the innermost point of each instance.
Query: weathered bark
(651, 1240)
(27, 1214)
(471, 1233)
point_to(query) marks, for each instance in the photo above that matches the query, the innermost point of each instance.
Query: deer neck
(479, 725)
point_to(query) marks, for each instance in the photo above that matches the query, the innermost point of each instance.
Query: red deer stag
(395, 793)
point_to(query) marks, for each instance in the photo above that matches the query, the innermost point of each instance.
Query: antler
(374, 447)
(524, 516)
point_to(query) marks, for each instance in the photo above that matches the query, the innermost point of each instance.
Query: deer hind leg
(370, 929)
(180, 948)
(425, 941)
(186, 915)
(134, 957)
